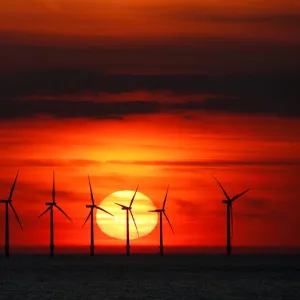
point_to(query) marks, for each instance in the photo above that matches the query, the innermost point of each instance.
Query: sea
(265, 274)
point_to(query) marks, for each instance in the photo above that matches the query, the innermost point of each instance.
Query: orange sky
(254, 156)
(150, 130)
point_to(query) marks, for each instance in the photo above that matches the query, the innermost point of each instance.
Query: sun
(116, 226)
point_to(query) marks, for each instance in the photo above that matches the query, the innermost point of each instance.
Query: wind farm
(149, 149)
(150, 273)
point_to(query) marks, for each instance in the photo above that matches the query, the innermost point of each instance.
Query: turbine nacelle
(123, 207)
(129, 209)
(162, 210)
(157, 210)
(92, 206)
(9, 201)
(229, 201)
(50, 203)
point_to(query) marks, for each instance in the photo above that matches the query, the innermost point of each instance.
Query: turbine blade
(103, 210)
(165, 198)
(123, 206)
(63, 212)
(87, 218)
(91, 191)
(12, 207)
(227, 197)
(239, 195)
(44, 211)
(134, 222)
(13, 186)
(53, 189)
(133, 196)
(152, 211)
(168, 221)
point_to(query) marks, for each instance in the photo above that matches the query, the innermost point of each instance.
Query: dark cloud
(254, 208)
(79, 81)
(118, 110)
(256, 203)
(256, 105)
(76, 109)
(188, 208)
(276, 94)
(42, 63)
(264, 215)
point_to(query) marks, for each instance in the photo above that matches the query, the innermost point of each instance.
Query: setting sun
(116, 227)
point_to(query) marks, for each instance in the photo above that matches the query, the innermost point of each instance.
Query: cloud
(242, 105)
(199, 163)
(263, 215)
(292, 19)
(256, 203)
(76, 109)
(58, 193)
(74, 81)
(110, 177)
(187, 207)
(51, 163)
(275, 94)
(15, 109)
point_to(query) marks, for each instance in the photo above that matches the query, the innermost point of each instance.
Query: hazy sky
(151, 93)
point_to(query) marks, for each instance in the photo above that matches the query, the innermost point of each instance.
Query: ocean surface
(149, 276)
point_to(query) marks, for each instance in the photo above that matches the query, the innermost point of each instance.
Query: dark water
(150, 277)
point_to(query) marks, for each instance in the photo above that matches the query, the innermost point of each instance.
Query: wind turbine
(229, 202)
(128, 210)
(51, 206)
(8, 203)
(91, 214)
(161, 212)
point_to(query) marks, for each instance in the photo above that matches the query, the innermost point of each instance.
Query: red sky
(146, 93)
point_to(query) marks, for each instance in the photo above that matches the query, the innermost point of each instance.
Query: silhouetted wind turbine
(161, 212)
(8, 203)
(128, 210)
(229, 202)
(50, 207)
(91, 214)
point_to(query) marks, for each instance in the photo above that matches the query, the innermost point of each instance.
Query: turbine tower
(128, 210)
(161, 212)
(51, 206)
(8, 203)
(229, 202)
(91, 214)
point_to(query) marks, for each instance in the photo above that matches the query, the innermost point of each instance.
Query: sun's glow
(116, 226)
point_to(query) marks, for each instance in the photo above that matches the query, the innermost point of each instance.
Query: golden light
(116, 226)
